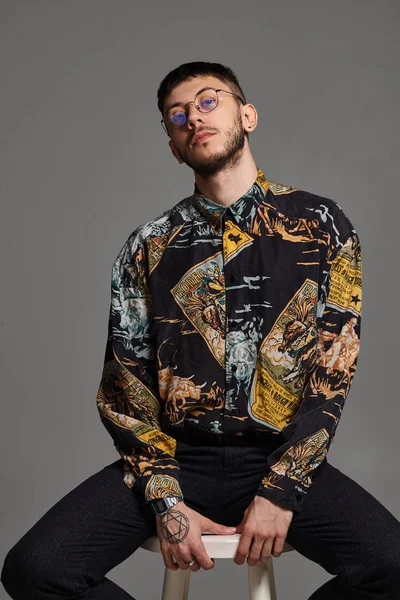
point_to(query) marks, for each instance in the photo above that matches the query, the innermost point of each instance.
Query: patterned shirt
(240, 321)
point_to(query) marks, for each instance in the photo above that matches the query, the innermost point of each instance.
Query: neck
(230, 184)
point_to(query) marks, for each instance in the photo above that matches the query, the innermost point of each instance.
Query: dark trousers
(100, 523)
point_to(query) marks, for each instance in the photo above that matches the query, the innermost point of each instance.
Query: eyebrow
(180, 103)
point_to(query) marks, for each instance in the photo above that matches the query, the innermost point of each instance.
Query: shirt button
(233, 324)
(234, 367)
(298, 497)
(231, 279)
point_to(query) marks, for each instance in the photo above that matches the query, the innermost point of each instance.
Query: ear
(250, 117)
(175, 151)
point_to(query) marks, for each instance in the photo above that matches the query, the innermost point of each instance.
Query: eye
(178, 119)
(207, 103)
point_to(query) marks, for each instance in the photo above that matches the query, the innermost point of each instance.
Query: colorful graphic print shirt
(242, 320)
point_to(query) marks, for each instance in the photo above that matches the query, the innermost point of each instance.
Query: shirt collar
(242, 210)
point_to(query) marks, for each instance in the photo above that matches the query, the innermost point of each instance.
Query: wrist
(176, 506)
(160, 506)
(274, 504)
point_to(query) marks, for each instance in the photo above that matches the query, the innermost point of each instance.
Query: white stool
(176, 583)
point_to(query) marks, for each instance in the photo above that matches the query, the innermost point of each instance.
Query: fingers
(278, 546)
(175, 562)
(260, 550)
(178, 557)
(169, 561)
(202, 557)
(195, 566)
(182, 561)
(172, 560)
(243, 548)
(266, 549)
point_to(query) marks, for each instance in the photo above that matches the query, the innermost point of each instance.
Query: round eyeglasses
(205, 101)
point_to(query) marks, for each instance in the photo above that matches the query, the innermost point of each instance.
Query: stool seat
(176, 583)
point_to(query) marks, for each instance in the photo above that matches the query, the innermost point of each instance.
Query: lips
(200, 137)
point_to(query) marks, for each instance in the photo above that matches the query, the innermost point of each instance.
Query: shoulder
(325, 213)
(155, 234)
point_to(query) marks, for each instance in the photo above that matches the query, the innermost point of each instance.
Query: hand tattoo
(174, 516)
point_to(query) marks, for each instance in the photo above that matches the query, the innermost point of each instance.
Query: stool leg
(187, 584)
(262, 581)
(176, 584)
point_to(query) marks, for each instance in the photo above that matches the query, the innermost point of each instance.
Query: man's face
(218, 151)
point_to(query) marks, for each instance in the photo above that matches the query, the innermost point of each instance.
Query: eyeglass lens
(205, 101)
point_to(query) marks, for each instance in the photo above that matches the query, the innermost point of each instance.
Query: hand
(179, 531)
(264, 526)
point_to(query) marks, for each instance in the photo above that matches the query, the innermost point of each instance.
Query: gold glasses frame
(198, 107)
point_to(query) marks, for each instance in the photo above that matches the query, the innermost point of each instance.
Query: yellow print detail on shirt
(269, 221)
(284, 360)
(157, 245)
(201, 295)
(161, 486)
(299, 460)
(346, 281)
(234, 240)
(275, 187)
(125, 400)
(161, 440)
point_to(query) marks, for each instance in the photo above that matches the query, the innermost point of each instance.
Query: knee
(10, 577)
(390, 562)
(21, 575)
(39, 571)
(393, 575)
(384, 578)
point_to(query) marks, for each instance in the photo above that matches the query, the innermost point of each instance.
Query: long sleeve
(307, 438)
(128, 400)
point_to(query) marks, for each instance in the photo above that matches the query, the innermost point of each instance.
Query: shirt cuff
(282, 490)
(153, 486)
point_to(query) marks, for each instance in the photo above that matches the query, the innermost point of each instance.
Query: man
(234, 334)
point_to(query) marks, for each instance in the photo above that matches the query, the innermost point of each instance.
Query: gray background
(84, 160)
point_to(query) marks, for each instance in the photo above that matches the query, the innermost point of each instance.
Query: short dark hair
(192, 69)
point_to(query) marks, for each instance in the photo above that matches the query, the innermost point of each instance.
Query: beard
(209, 166)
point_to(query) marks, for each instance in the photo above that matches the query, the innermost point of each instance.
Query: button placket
(221, 236)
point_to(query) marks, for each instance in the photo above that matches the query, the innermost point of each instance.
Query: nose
(193, 116)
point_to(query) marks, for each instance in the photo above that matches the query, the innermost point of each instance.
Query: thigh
(89, 531)
(343, 527)
(200, 477)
